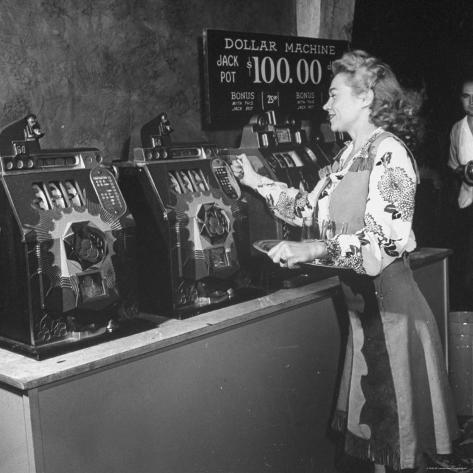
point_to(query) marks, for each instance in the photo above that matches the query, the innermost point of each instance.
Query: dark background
(93, 71)
(429, 44)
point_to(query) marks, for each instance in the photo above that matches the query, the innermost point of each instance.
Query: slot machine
(278, 149)
(67, 242)
(191, 227)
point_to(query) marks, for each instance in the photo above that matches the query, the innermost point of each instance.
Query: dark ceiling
(429, 44)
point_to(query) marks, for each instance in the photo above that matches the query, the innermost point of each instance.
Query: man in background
(461, 152)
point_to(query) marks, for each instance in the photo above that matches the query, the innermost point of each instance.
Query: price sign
(247, 73)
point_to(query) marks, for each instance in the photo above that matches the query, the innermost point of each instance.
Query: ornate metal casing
(67, 256)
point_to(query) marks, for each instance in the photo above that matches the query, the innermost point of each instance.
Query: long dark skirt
(395, 402)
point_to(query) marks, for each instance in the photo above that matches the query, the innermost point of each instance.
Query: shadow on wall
(92, 71)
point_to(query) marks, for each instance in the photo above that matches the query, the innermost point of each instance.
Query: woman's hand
(244, 171)
(291, 253)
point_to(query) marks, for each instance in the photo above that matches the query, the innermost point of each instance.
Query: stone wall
(337, 19)
(92, 70)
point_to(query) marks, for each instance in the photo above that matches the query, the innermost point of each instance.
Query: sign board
(248, 73)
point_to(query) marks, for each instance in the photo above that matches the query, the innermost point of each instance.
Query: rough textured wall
(93, 69)
(336, 19)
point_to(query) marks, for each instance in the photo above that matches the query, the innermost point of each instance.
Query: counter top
(425, 256)
(21, 372)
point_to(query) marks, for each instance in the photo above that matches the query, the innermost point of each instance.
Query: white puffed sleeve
(387, 231)
(288, 203)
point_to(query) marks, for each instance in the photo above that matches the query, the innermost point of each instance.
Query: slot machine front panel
(186, 202)
(67, 252)
(278, 150)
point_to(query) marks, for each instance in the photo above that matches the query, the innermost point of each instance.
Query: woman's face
(344, 107)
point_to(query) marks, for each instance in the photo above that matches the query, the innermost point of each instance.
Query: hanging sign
(248, 73)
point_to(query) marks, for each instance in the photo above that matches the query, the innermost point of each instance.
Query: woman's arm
(287, 203)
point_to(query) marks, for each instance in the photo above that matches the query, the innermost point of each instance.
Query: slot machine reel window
(40, 200)
(198, 179)
(295, 158)
(73, 193)
(277, 161)
(56, 194)
(174, 183)
(187, 181)
(287, 159)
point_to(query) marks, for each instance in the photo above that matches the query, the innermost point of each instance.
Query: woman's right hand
(244, 171)
(290, 253)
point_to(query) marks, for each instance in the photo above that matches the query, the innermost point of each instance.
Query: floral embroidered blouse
(387, 231)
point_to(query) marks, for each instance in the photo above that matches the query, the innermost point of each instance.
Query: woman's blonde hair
(393, 108)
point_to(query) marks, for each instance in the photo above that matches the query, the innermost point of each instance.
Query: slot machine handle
(155, 189)
(114, 171)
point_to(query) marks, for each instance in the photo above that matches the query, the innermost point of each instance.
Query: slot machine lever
(32, 130)
(165, 127)
(114, 171)
(163, 136)
(155, 189)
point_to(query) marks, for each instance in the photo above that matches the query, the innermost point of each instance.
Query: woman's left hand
(291, 253)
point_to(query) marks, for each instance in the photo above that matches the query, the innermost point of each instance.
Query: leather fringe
(367, 450)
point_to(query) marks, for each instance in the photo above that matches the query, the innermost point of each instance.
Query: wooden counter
(247, 388)
(25, 373)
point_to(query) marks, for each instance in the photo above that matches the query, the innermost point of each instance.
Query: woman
(394, 402)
